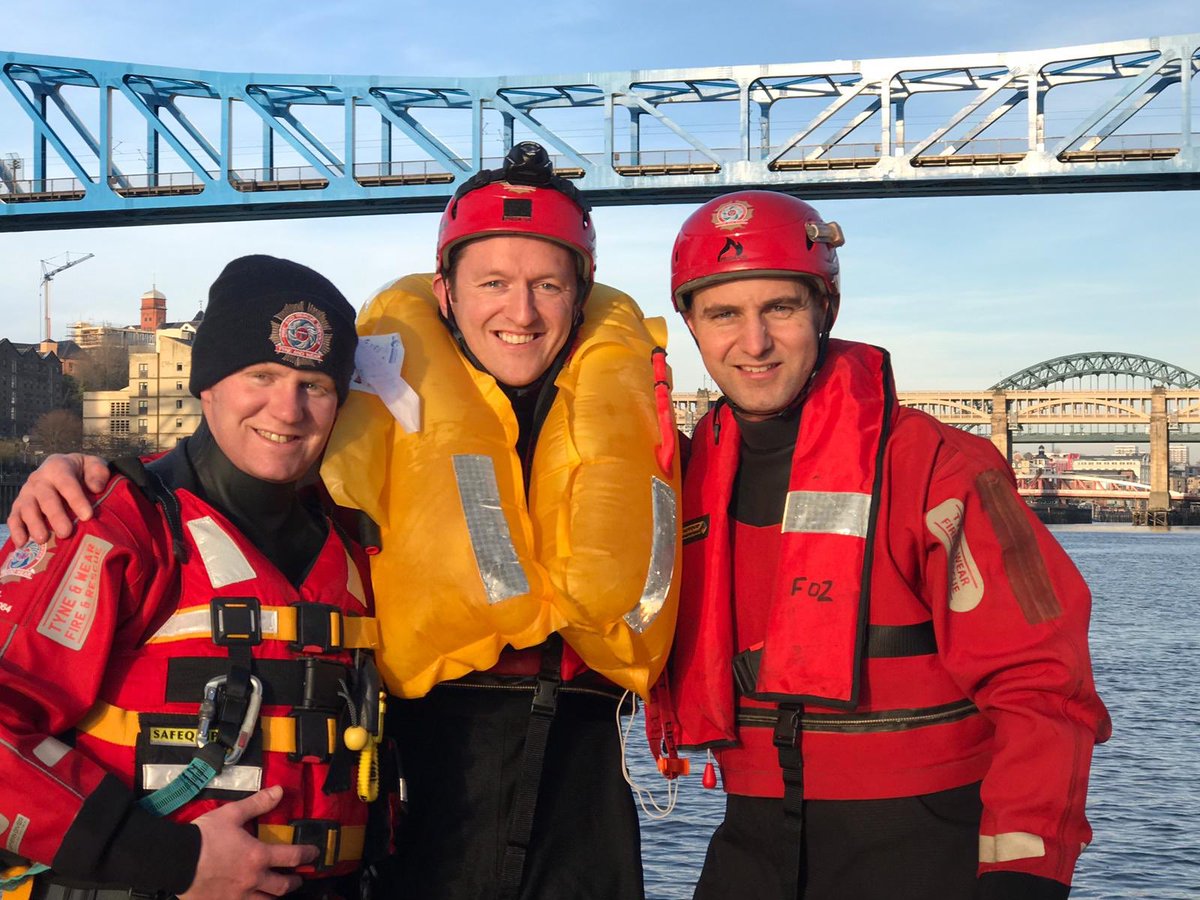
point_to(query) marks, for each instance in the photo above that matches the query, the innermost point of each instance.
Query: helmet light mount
(523, 198)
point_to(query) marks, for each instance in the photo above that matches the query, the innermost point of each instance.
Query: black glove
(1019, 886)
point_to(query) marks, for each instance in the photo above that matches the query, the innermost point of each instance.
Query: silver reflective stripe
(223, 561)
(662, 558)
(491, 541)
(822, 512)
(198, 623)
(233, 778)
(51, 751)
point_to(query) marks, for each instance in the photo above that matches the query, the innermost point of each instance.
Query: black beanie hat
(266, 309)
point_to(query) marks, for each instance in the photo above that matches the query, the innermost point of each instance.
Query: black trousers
(461, 750)
(910, 848)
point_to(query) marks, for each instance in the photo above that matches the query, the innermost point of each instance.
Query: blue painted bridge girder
(108, 143)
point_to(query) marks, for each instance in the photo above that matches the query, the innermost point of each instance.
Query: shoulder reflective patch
(1023, 562)
(68, 618)
(662, 558)
(944, 522)
(695, 529)
(1009, 846)
(491, 541)
(224, 562)
(50, 751)
(354, 585)
(824, 512)
(19, 826)
(232, 778)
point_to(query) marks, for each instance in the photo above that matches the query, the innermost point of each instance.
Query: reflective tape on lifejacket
(662, 557)
(278, 623)
(827, 512)
(491, 541)
(248, 779)
(223, 561)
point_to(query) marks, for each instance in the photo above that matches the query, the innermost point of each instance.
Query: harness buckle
(212, 709)
(787, 728)
(545, 696)
(324, 834)
(236, 621)
(318, 628)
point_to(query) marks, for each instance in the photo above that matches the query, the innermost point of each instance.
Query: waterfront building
(691, 406)
(31, 384)
(155, 408)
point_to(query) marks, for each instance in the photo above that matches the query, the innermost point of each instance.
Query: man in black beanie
(205, 589)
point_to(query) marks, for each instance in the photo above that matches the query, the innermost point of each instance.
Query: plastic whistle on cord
(660, 719)
(366, 733)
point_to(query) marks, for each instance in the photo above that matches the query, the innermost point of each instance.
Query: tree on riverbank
(58, 431)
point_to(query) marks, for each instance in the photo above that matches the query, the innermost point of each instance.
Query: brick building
(31, 384)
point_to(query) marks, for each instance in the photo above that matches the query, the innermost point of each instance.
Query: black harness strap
(537, 736)
(791, 762)
(151, 484)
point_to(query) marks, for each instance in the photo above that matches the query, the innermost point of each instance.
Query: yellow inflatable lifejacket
(467, 565)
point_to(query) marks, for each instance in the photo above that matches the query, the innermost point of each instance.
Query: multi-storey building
(134, 338)
(31, 385)
(690, 407)
(156, 407)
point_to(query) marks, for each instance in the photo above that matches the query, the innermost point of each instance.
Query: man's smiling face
(759, 338)
(270, 420)
(514, 300)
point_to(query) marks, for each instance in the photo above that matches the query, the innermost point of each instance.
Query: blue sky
(963, 290)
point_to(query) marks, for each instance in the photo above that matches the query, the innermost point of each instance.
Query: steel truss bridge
(1034, 406)
(108, 143)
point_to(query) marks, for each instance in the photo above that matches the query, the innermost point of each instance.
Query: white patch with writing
(944, 522)
(20, 825)
(377, 364)
(5, 607)
(69, 616)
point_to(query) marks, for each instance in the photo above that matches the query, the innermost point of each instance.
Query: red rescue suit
(933, 632)
(107, 637)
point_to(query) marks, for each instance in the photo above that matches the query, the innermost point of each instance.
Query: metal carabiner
(208, 713)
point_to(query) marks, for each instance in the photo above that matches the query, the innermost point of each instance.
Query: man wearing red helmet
(883, 647)
(524, 527)
(529, 541)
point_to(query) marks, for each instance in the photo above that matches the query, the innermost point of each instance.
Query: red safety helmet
(755, 233)
(525, 197)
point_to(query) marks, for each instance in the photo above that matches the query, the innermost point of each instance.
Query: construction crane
(48, 276)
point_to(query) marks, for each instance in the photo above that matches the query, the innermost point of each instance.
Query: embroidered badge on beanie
(301, 332)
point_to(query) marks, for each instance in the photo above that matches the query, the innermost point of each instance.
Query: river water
(1145, 789)
(1144, 799)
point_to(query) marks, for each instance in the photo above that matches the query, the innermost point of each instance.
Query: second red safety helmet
(749, 233)
(523, 198)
